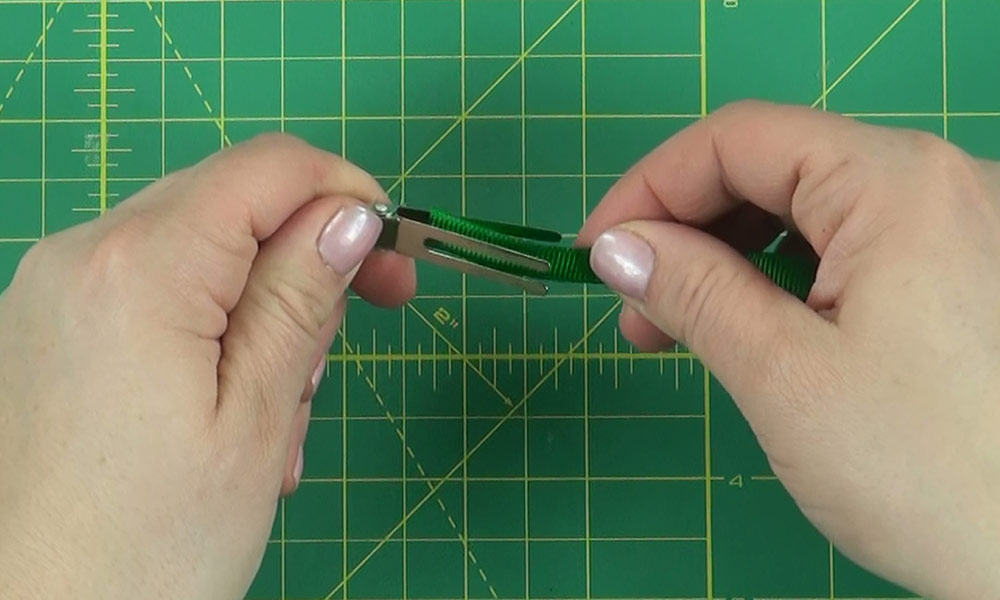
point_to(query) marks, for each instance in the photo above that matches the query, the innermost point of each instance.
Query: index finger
(212, 217)
(257, 185)
(750, 151)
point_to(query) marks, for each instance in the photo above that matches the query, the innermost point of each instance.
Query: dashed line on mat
(31, 55)
(187, 71)
(423, 474)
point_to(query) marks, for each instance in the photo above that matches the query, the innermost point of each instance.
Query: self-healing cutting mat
(477, 443)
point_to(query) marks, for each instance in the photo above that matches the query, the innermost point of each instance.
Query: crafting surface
(476, 443)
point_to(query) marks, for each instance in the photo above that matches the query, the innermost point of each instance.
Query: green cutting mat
(540, 456)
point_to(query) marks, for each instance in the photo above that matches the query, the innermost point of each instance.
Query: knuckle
(923, 142)
(315, 162)
(829, 185)
(35, 260)
(114, 255)
(945, 160)
(950, 173)
(243, 159)
(741, 107)
(277, 140)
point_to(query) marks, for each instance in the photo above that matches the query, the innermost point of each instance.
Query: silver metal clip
(408, 230)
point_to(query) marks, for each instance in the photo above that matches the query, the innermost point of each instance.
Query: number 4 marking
(736, 481)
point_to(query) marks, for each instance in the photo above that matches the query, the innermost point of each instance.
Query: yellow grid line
(44, 142)
(651, 538)
(522, 41)
(343, 394)
(703, 56)
(509, 478)
(223, 140)
(31, 55)
(281, 105)
(166, 36)
(564, 116)
(822, 45)
(512, 478)
(833, 587)
(187, 71)
(825, 92)
(469, 454)
(394, 421)
(466, 111)
(510, 357)
(944, 68)
(103, 141)
(360, 58)
(465, 298)
(402, 317)
(163, 90)
(459, 122)
(460, 355)
(865, 53)
(585, 302)
(822, 99)
(709, 559)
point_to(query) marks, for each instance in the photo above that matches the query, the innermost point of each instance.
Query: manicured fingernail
(348, 237)
(299, 463)
(624, 261)
(318, 374)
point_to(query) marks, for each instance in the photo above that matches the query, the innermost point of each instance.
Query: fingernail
(624, 261)
(318, 374)
(299, 463)
(348, 237)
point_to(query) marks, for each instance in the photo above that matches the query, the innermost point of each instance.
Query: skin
(158, 361)
(156, 380)
(877, 401)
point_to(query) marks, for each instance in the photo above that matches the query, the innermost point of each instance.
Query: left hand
(158, 369)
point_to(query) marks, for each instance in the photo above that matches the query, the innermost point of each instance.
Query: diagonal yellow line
(464, 357)
(463, 537)
(187, 71)
(473, 450)
(467, 111)
(541, 38)
(506, 399)
(31, 56)
(857, 61)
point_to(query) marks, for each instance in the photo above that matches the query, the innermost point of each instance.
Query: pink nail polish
(317, 376)
(624, 261)
(299, 464)
(348, 238)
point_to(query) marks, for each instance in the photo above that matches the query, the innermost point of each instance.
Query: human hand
(877, 401)
(158, 369)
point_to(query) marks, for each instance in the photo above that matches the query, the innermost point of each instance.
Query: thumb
(281, 325)
(702, 293)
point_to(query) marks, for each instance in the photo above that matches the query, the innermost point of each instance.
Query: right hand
(877, 400)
